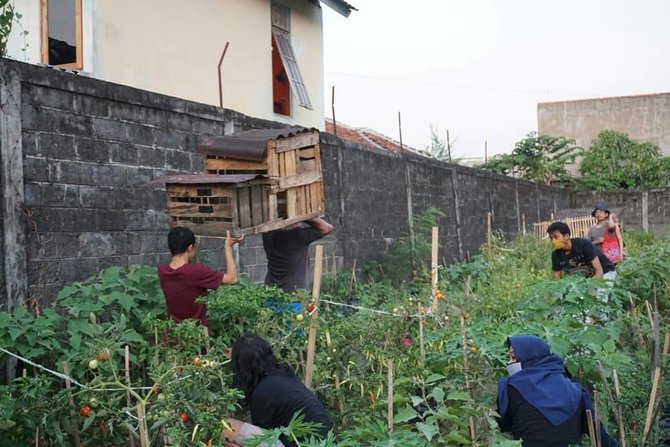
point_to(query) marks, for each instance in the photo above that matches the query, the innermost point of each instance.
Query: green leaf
(434, 378)
(428, 430)
(459, 395)
(15, 332)
(6, 424)
(438, 394)
(405, 414)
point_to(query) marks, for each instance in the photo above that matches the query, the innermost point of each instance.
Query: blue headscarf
(542, 381)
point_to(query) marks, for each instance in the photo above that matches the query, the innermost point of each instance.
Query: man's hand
(230, 241)
(597, 266)
(324, 227)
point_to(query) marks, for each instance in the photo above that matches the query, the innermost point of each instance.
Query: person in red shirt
(183, 282)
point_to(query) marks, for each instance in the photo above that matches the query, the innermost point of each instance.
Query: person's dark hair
(561, 227)
(179, 238)
(252, 360)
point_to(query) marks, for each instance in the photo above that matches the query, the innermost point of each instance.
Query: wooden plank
(307, 154)
(175, 189)
(314, 318)
(224, 164)
(264, 208)
(213, 229)
(272, 205)
(244, 207)
(276, 224)
(297, 142)
(196, 210)
(273, 162)
(45, 31)
(256, 205)
(291, 194)
(292, 181)
(308, 199)
(307, 166)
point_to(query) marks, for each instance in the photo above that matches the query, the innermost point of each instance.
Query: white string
(66, 377)
(366, 309)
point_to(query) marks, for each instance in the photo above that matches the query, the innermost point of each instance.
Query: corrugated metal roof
(249, 145)
(190, 179)
(340, 6)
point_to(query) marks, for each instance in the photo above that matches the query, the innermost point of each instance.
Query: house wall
(76, 155)
(173, 48)
(644, 118)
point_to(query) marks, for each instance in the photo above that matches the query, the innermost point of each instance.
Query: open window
(286, 77)
(62, 33)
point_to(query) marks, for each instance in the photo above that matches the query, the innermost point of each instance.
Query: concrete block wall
(76, 155)
(642, 210)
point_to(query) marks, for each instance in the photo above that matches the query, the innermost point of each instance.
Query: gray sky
(479, 67)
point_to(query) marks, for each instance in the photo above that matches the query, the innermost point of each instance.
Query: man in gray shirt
(287, 251)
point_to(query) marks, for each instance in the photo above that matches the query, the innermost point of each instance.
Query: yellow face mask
(557, 244)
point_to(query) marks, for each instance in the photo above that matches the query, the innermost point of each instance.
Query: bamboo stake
(654, 390)
(617, 391)
(37, 436)
(523, 223)
(636, 321)
(332, 107)
(390, 393)
(489, 238)
(311, 339)
(464, 346)
(340, 401)
(592, 434)
(73, 412)
(434, 266)
(126, 365)
(422, 349)
(608, 393)
(400, 131)
(596, 408)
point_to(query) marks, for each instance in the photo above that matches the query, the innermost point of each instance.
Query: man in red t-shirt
(183, 282)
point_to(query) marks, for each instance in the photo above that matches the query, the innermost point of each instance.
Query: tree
(541, 158)
(616, 161)
(441, 148)
(6, 21)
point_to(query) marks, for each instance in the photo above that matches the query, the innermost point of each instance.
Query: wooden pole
(225, 49)
(636, 321)
(489, 236)
(73, 411)
(422, 349)
(464, 347)
(592, 435)
(389, 384)
(654, 390)
(332, 107)
(434, 266)
(126, 365)
(400, 131)
(523, 223)
(617, 391)
(486, 151)
(311, 339)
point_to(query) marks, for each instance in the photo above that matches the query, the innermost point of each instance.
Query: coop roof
(193, 179)
(249, 146)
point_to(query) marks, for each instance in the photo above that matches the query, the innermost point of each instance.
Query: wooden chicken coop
(254, 182)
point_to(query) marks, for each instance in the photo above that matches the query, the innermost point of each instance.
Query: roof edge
(340, 6)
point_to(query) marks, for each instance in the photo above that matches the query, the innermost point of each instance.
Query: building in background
(643, 117)
(272, 69)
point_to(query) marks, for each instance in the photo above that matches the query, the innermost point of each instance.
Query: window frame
(280, 24)
(78, 64)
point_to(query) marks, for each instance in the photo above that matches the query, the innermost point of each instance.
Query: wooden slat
(222, 164)
(256, 205)
(272, 205)
(179, 190)
(216, 229)
(308, 199)
(292, 181)
(193, 209)
(243, 207)
(297, 142)
(291, 194)
(276, 224)
(307, 166)
(273, 162)
(266, 211)
(307, 154)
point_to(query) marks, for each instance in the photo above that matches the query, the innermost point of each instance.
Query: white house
(263, 58)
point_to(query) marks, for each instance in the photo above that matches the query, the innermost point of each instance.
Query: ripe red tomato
(85, 411)
(103, 356)
(310, 308)
(184, 418)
